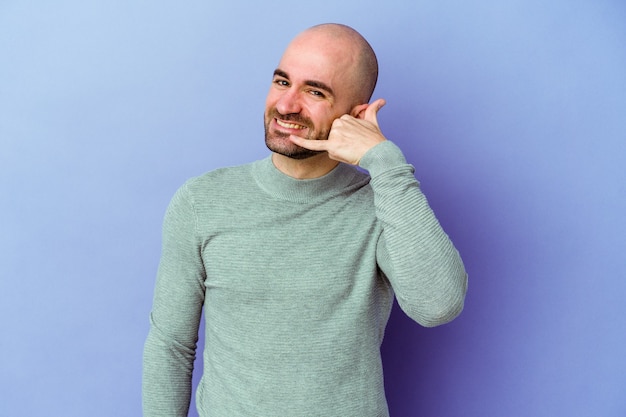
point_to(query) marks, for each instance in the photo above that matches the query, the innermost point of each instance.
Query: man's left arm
(417, 256)
(420, 261)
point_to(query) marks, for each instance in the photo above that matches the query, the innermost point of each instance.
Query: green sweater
(297, 279)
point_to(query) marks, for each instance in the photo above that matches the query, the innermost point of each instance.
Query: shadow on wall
(414, 360)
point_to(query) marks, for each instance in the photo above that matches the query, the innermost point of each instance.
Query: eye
(281, 82)
(317, 93)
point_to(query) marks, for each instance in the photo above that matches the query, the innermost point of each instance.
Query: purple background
(514, 114)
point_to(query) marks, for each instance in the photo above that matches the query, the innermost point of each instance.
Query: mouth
(288, 125)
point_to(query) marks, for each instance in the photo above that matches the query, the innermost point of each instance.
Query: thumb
(371, 111)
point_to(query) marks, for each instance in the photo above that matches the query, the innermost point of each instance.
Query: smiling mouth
(287, 125)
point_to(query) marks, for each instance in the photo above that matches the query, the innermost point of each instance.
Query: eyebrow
(311, 83)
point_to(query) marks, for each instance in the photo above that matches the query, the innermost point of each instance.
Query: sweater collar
(284, 187)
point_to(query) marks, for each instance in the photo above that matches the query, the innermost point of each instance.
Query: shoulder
(221, 179)
(232, 173)
(216, 185)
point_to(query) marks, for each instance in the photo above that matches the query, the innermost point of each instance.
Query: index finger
(312, 145)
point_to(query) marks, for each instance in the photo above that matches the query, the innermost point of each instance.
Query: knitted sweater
(297, 279)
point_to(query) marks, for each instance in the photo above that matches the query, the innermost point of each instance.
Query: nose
(289, 102)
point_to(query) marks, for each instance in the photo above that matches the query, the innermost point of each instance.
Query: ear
(358, 111)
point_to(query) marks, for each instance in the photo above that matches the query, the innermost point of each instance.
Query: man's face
(310, 89)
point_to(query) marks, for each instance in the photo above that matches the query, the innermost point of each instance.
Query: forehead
(318, 59)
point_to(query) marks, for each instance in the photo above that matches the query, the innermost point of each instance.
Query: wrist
(382, 157)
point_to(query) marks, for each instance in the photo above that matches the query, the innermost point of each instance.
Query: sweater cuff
(382, 157)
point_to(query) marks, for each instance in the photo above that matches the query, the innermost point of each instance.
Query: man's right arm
(170, 348)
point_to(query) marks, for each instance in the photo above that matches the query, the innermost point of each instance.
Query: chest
(255, 250)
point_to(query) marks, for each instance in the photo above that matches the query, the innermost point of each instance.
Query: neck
(313, 167)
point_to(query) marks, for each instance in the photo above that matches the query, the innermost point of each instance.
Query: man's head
(326, 71)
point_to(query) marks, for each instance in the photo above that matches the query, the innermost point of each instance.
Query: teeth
(289, 125)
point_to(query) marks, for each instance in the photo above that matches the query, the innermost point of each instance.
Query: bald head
(351, 46)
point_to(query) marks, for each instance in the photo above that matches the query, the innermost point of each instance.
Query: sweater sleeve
(170, 348)
(415, 254)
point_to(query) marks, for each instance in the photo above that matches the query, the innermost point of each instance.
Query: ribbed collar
(284, 187)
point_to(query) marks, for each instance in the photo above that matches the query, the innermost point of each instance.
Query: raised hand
(350, 137)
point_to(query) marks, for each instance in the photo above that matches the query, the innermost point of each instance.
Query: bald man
(296, 258)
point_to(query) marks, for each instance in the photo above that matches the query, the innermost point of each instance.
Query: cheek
(326, 121)
(271, 98)
(322, 115)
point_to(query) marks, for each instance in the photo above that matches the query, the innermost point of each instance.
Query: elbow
(439, 310)
(437, 317)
